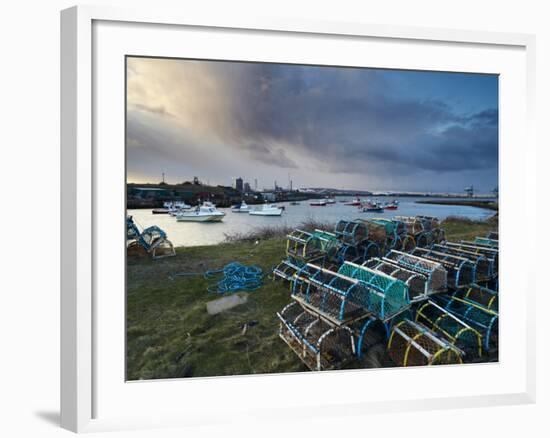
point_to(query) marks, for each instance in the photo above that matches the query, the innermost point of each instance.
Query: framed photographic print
(256, 210)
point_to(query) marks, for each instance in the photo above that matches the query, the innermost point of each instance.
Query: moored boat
(320, 203)
(373, 207)
(356, 202)
(207, 212)
(392, 205)
(243, 207)
(267, 210)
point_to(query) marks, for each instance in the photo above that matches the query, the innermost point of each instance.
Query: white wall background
(29, 219)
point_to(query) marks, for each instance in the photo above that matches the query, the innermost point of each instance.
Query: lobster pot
(481, 295)
(448, 326)
(376, 232)
(419, 284)
(413, 225)
(337, 298)
(132, 231)
(287, 269)
(489, 253)
(150, 236)
(152, 240)
(351, 232)
(484, 267)
(424, 239)
(429, 223)
(310, 246)
(408, 243)
(412, 344)
(348, 253)
(482, 319)
(434, 271)
(392, 234)
(327, 241)
(300, 281)
(367, 250)
(368, 331)
(460, 270)
(484, 241)
(386, 296)
(318, 344)
(161, 248)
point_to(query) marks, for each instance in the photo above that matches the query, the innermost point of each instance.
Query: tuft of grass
(277, 232)
(461, 228)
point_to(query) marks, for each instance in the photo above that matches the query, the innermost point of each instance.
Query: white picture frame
(83, 188)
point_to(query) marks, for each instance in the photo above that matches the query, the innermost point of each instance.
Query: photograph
(285, 218)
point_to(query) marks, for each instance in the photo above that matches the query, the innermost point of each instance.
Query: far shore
(487, 204)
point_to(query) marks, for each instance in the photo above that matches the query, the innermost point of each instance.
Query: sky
(319, 126)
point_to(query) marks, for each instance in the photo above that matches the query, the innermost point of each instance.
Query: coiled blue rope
(236, 277)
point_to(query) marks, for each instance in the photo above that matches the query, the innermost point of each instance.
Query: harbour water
(195, 234)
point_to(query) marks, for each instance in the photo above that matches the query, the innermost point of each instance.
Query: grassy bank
(170, 334)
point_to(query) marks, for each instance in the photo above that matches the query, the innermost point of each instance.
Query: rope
(236, 276)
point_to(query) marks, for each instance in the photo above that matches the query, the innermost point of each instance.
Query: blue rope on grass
(236, 277)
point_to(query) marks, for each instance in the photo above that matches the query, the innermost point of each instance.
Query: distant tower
(469, 191)
(256, 184)
(291, 185)
(239, 184)
(163, 178)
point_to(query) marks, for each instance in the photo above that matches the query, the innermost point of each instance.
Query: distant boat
(321, 203)
(373, 207)
(160, 211)
(207, 212)
(330, 200)
(267, 210)
(356, 202)
(243, 207)
(294, 203)
(392, 205)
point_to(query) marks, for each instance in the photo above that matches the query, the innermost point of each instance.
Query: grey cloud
(271, 156)
(344, 120)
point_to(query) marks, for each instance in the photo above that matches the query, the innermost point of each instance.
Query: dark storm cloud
(343, 118)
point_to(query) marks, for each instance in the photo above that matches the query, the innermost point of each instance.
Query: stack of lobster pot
(424, 229)
(394, 283)
(337, 315)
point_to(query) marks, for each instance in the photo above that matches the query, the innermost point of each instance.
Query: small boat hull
(391, 207)
(201, 218)
(266, 213)
(373, 210)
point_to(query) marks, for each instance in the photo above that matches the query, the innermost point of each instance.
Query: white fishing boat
(178, 208)
(207, 212)
(267, 210)
(243, 207)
